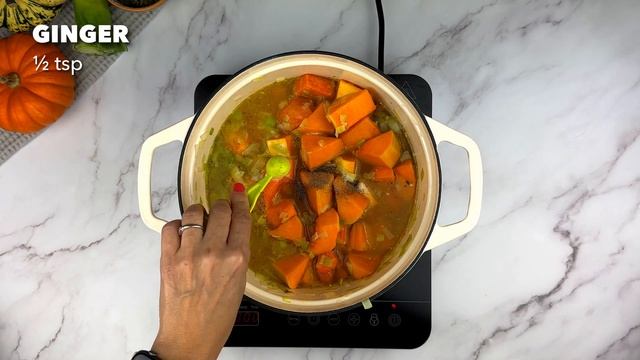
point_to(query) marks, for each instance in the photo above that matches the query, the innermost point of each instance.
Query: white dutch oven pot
(423, 133)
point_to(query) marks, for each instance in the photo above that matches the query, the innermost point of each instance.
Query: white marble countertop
(549, 89)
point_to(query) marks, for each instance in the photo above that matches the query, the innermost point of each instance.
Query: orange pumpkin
(31, 99)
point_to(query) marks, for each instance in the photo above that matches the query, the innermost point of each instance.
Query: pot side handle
(176, 132)
(443, 234)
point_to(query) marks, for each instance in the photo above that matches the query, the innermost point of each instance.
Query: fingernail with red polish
(238, 187)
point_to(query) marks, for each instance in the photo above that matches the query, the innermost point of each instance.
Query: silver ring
(184, 227)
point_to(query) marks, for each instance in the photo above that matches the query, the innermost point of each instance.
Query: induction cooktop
(400, 318)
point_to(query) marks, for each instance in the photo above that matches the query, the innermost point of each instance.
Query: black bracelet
(145, 355)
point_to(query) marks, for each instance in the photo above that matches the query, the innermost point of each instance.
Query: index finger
(240, 230)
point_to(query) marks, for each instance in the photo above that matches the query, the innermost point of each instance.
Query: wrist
(145, 355)
(172, 348)
(164, 349)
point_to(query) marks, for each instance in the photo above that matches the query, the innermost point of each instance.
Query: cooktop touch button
(293, 320)
(313, 320)
(334, 319)
(353, 319)
(374, 319)
(394, 320)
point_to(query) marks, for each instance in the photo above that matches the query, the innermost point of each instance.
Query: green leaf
(95, 12)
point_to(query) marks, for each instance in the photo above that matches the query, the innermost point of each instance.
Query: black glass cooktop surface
(399, 319)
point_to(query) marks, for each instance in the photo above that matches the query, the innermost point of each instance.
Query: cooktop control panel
(399, 318)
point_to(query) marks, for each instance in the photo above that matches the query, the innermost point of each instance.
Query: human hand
(203, 277)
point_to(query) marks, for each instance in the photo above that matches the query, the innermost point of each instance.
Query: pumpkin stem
(12, 80)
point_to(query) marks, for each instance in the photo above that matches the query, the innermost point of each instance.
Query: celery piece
(269, 122)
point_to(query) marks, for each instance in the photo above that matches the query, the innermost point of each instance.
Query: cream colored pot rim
(419, 253)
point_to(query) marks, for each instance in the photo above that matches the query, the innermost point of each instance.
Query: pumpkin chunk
(290, 116)
(351, 203)
(318, 186)
(292, 268)
(348, 110)
(317, 122)
(364, 190)
(341, 271)
(291, 230)
(361, 265)
(364, 130)
(275, 191)
(281, 147)
(383, 174)
(343, 238)
(327, 227)
(316, 150)
(281, 213)
(326, 267)
(313, 85)
(346, 88)
(238, 142)
(358, 239)
(309, 276)
(347, 166)
(382, 150)
(405, 171)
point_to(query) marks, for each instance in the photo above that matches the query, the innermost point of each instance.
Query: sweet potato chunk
(313, 85)
(292, 268)
(318, 150)
(317, 122)
(351, 203)
(382, 150)
(362, 131)
(318, 186)
(326, 232)
(361, 265)
(290, 116)
(348, 110)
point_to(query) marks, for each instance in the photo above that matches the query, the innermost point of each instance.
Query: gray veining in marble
(548, 89)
